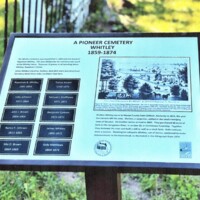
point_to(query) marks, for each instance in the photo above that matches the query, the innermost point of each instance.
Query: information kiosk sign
(120, 100)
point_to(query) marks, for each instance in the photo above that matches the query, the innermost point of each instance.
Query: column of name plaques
(57, 117)
(17, 122)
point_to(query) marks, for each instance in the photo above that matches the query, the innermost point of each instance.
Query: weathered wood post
(102, 184)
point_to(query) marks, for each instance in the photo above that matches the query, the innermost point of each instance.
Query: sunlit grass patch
(180, 6)
(149, 8)
(126, 20)
(161, 16)
(115, 5)
(2, 2)
(194, 27)
(1, 23)
(154, 25)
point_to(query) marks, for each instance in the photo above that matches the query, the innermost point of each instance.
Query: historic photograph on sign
(144, 83)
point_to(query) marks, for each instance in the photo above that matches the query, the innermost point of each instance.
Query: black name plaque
(14, 147)
(63, 85)
(58, 115)
(22, 99)
(52, 147)
(16, 130)
(55, 131)
(60, 100)
(26, 84)
(19, 114)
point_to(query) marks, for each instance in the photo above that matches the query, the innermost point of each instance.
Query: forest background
(112, 16)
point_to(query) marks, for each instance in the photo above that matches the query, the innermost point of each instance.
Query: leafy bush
(164, 187)
(38, 186)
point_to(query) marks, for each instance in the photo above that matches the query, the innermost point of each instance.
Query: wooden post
(102, 184)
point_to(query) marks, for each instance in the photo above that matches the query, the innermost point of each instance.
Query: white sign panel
(106, 99)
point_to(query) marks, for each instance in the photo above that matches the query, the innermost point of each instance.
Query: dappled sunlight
(154, 25)
(126, 20)
(135, 1)
(162, 25)
(160, 15)
(195, 27)
(1, 23)
(181, 6)
(149, 8)
(115, 5)
(2, 2)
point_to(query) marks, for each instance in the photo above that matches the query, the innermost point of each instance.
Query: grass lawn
(158, 15)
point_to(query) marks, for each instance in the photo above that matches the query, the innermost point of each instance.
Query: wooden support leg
(102, 184)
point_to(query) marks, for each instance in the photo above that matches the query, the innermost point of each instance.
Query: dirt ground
(130, 185)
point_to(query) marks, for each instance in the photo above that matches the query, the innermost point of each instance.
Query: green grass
(159, 15)
(164, 187)
(147, 16)
(39, 186)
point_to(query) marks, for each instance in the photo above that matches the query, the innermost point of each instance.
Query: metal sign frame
(82, 165)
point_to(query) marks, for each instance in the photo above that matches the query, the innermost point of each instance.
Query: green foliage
(145, 16)
(95, 23)
(158, 15)
(127, 195)
(102, 19)
(181, 187)
(38, 186)
(149, 182)
(164, 187)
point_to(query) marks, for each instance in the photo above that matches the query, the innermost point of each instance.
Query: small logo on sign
(185, 149)
(102, 148)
